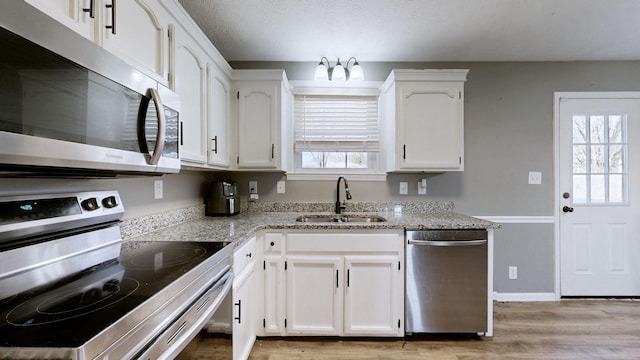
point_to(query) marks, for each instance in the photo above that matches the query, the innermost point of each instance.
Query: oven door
(178, 335)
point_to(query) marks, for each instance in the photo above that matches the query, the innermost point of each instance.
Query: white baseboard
(524, 296)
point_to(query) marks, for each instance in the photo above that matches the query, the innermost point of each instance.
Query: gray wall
(508, 132)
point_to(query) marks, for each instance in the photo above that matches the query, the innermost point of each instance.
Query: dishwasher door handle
(447, 242)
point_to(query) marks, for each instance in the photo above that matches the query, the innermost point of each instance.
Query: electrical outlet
(535, 177)
(253, 187)
(513, 272)
(280, 187)
(157, 189)
(404, 188)
(422, 187)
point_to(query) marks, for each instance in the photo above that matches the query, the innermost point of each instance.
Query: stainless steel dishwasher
(446, 281)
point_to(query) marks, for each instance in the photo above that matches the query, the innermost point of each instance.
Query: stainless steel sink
(340, 218)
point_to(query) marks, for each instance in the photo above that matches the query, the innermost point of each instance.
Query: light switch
(404, 188)
(253, 187)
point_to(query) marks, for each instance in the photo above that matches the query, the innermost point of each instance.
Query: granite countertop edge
(238, 228)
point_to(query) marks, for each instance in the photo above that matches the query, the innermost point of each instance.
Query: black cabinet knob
(110, 202)
(567, 209)
(90, 204)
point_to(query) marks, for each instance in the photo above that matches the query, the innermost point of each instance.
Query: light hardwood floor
(570, 329)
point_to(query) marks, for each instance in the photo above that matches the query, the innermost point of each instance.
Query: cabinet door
(189, 81)
(258, 127)
(244, 324)
(430, 126)
(273, 301)
(140, 36)
(314, 295)
(218, 117)
(373, 296)
(72, 14)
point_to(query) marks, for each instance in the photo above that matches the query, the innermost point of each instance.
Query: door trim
(557, 97)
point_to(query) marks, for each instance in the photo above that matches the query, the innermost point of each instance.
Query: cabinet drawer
(243, 255)
(273, 243)
(345, 242)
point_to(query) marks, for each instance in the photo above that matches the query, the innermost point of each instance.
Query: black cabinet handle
(112, 6)
(273, 149)
(337, 279)
(215, 142)
(348, 277)
(239, 317)
(567, 209)
(404, 152)
(91, 10)
(248, 255)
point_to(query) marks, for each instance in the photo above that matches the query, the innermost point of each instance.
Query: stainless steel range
(70, 288)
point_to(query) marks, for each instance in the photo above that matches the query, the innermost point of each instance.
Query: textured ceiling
(421, 30)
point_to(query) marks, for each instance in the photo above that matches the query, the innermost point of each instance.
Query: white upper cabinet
(423, 118)
(189, 77)
(264, 99)
(218, 114)
(137, 32)
(134, 30)
(78, 15)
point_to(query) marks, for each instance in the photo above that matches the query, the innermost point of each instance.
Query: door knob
(567, 209)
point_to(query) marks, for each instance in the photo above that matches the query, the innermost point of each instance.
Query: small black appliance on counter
(222, 199)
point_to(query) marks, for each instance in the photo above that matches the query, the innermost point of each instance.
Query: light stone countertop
(237, 228)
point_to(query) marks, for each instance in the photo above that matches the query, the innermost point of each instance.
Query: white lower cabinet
(333, 283)
(314, 294)
(244, 300)
(272, 285)
(371, 295)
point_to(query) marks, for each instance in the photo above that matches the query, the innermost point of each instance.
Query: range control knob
(110, 202)
(90, 204)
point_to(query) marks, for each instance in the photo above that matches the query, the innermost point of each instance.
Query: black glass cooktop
(73, 310)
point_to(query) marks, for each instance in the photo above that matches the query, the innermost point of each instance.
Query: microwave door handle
(160, 137)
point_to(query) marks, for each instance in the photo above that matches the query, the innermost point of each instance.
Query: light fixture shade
(356, 73)
(321, 72)
(338, 73)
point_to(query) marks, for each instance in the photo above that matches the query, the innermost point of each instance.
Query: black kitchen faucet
(340, 207)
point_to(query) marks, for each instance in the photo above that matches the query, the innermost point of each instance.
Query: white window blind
(336, 123)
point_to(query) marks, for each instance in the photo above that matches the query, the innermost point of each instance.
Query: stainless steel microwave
(70, 108)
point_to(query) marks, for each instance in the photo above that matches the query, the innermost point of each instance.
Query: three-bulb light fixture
(324, 71)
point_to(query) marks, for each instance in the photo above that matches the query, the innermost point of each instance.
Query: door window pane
(615, 129)
(580, 159)
(579, 129)
(615, 158)
(596, 129)
(579, 189)
(597, 159)
(597, 189)
(616, 190)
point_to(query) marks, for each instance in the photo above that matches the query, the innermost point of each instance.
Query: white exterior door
(599, 164)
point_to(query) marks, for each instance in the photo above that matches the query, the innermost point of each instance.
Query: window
(336, 132)
(599, 159)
